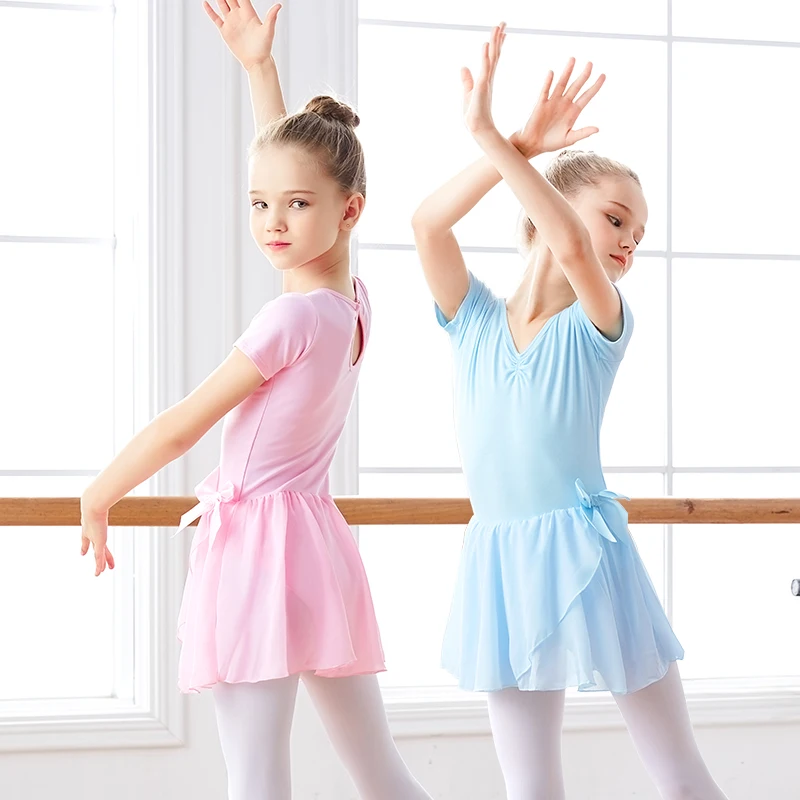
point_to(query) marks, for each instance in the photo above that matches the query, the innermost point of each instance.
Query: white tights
(255, 720)
(527, 734)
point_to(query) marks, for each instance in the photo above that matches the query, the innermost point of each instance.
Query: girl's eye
(260, 205)
(615, 221)
(302, 204)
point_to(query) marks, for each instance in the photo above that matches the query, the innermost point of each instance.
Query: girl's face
(297, 212)
(614, 212)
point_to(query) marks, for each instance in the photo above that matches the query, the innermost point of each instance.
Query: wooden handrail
(166, 511)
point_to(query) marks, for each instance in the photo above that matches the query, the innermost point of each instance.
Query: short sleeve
(280, 333)
(605, 348)
(476, 302)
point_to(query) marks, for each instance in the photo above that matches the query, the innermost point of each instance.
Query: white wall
(750, 762)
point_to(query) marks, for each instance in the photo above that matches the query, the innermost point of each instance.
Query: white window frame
(323, 55)
(145, 710)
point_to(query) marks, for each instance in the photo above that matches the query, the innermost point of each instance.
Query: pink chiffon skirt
(276, 586)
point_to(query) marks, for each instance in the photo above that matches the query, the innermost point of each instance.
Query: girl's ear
(352, 211)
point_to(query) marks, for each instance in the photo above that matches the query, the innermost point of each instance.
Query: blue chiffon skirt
(556, 601)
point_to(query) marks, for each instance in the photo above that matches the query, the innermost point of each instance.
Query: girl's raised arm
(555, 220)
(250, 40)
(438, 250)
(548, 128)
(439, 253)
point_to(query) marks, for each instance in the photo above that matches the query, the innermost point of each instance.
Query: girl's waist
(503, 501)
(598, 508)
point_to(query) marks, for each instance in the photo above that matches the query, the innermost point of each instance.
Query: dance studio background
(127, 270)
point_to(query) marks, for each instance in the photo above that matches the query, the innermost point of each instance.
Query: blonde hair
(325, 130)
(570, 171)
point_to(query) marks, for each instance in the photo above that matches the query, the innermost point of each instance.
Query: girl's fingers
(110, 559)
(562, 81)
(489, 60)
(497, 39)
(577, 84)
(494, 55)
(215, 18)
(271, 17)
(500, 39)
(485, 61)
(84, 545)
(99, 560)
(498, 34)
(581, 133)
(466, 79)
(548, 82)
(224, 8)
(233, 4)
(590, 92)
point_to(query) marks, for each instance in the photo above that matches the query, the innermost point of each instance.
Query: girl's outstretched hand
(94, 531)
(478, 92)
(549, 126)
(247, 37)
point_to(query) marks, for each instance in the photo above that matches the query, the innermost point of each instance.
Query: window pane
(412, 484)
(56, 347)
(45, 486)
(742, 19)
(56, 160)
(412, 572)
(63, 643)
(736, 331)
(635, 425)
(417, 140)
(405, 393)
(734, 191)
(627, 16)
(733, 609)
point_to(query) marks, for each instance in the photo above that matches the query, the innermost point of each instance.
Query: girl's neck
(543, 291)
(329, 271)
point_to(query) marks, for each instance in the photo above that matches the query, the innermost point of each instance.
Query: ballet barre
(166, 511)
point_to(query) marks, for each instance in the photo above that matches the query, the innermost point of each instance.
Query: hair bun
(330, 108)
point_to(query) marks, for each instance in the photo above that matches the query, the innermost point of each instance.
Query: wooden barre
(166, 511)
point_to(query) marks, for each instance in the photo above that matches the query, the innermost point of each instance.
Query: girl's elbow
(179, 442)
(426, 226)
(419, 219)
(175, 433)
(576, 250)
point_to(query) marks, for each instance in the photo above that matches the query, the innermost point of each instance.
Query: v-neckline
(531, 346)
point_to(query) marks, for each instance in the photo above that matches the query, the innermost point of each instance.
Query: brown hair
(325, 129)
(570, 171)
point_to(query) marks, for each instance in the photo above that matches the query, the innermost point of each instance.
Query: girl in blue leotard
(551, 591)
